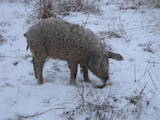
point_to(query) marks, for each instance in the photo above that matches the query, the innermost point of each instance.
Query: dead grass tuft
(54, 8)
(2, 39)
(95, 106)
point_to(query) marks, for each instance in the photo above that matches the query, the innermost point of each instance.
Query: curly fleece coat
(73, 43)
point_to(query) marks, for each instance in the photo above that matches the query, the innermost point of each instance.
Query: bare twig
(152, 80)
(145, 71)
(141, 92)
(37, 114)
(143, 74)
(135, 79)
(81, 93)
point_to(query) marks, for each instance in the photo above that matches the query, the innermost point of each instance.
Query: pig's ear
(114, 56)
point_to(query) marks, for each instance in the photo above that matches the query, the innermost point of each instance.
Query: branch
(152, 80)
(36, 114)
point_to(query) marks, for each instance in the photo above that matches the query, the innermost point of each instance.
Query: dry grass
(95, 106)
(2, 39)
(85, 6)
(63, 7)
(135, 4)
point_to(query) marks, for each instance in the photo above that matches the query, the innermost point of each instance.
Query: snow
(139, 45)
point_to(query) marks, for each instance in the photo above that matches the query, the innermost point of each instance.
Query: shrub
(48, 8)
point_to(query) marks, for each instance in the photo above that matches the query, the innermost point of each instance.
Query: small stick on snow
(152, 80)
(36, 114)
(135, 79)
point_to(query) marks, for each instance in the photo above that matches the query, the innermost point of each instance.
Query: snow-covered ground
(135, 93)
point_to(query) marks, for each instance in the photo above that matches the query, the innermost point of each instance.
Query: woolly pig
(73, 43)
